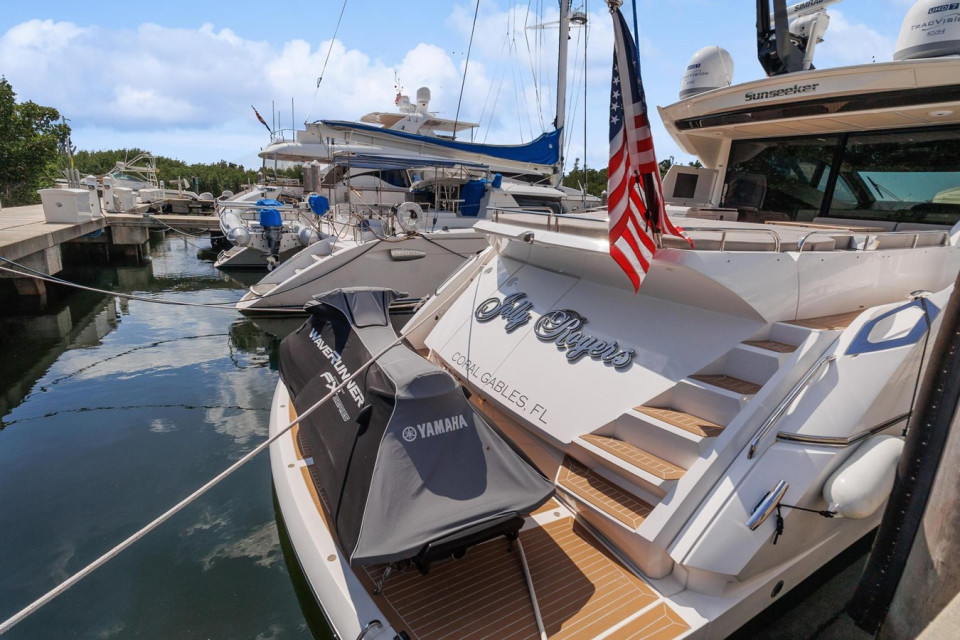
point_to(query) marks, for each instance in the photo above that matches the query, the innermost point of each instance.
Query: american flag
(635, 195)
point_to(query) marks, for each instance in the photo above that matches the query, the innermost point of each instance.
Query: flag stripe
(636, 212)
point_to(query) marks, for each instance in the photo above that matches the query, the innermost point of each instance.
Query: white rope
(112, 553)
(533, 594)
(30, 273)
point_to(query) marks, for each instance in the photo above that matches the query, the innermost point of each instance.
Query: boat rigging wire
(61, 588)
(324, 68)
(466, 66)
(31, 273)
(533, 70)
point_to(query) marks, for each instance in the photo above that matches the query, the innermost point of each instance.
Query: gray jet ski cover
(400, 458)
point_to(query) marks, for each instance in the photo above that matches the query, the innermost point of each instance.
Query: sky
(179, 78)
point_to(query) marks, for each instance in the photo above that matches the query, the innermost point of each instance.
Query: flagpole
(636, 29)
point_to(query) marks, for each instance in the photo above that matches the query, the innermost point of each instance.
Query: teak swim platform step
(636, 456)
(601, 494)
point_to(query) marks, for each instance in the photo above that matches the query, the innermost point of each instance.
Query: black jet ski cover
(403, 463)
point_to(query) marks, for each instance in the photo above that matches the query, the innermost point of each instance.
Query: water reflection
(116, 409)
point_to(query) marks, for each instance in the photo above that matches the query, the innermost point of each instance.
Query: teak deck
(581, 590)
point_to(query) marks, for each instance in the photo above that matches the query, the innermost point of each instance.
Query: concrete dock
(29, 240)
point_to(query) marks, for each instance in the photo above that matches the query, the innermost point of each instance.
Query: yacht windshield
(893, 176)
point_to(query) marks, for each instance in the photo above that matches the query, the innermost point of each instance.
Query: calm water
(111, 412)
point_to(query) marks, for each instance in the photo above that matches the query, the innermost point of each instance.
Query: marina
(425, 391)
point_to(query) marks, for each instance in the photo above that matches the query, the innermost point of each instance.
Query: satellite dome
(423, 99)
(931, 29)
(709, 68)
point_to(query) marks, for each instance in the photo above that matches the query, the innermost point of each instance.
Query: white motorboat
(408, 240)
(769, 368)
(266, 224)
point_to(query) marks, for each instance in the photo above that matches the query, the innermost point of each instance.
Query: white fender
(235, 229)
(862, 483)
(306, 234)
(409, 215)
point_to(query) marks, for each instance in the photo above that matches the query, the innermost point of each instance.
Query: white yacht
(404, 239)
(414, 131)
(697, 434)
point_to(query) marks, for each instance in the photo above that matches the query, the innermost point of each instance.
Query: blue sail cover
(544, 150)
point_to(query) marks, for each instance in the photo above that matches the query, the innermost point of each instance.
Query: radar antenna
(786, 41)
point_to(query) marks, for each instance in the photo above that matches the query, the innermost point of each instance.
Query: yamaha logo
(409, 434)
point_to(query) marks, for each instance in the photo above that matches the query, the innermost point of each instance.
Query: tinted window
(897, 176)
(911, 176)
(785, 177)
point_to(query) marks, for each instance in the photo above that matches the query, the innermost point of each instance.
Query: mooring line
(115, 551)
(31, 273)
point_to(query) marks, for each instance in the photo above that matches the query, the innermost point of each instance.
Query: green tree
(594, 180)
(30, 135)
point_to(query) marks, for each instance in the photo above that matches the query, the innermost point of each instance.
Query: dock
(29, 240)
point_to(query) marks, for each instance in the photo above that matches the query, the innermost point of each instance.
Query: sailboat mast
(562, 85)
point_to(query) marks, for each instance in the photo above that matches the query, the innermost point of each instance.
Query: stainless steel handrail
(798, 388)
(839, 442)
(373, 624)
(723, 231)
(876, 235)
(766, 506)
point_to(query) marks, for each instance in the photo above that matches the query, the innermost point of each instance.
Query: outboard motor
(272, 224)
(406, 468)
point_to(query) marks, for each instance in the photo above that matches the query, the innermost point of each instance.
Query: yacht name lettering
(779, 93)
(501, 387)
(514, 309)
(563, 327)
(435, 427)
(338, 366)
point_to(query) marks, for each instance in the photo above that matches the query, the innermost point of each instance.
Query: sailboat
(413, 244)
(696, 434)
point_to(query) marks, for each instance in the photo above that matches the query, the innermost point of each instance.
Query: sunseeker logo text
(750, 96)
(562, 327)
(338, 366)
(434, 427)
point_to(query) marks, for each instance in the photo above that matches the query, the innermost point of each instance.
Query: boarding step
(637, 470)
(635, 456)
(601, 494)
(728, 383)
(835, 322)
(742, 366)
(771, 345)
(682, 420)
(703, 397)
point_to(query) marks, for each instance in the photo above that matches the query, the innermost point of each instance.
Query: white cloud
(848, 43)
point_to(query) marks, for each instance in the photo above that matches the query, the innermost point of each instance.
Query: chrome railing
(723, 231)
(781, 408)
(873, 239)
(841, 442)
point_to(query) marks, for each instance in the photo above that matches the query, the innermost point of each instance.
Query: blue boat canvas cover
(404, 465)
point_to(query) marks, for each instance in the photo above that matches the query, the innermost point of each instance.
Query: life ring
(409, 215)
